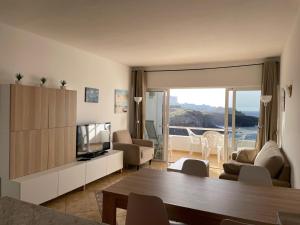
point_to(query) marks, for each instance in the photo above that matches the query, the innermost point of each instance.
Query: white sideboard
(43, 186)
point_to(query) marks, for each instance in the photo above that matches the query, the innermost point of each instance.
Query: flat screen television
(92, 139)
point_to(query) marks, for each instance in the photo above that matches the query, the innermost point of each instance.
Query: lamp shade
(265, 98)
(138, 99)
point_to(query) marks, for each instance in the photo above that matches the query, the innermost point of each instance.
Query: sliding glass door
(156, 127)
(241, 119)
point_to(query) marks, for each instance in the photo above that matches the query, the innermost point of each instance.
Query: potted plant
(63, 84)
(18, 78)
(43, 81)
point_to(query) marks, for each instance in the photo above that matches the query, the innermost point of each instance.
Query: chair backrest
(194, 167)
(255, 175)
(151, 131)
(146, 210)
(122, 136)
(213, 138)
(232, 222)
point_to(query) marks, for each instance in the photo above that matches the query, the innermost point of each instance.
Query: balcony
(203, 143)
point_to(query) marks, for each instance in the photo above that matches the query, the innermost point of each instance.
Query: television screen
(93, 138)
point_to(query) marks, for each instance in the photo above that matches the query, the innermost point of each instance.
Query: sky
(245, 100)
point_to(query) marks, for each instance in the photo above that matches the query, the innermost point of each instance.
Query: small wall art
(121, 101)
(91, 95)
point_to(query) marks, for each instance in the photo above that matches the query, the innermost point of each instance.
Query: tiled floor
(82, 203)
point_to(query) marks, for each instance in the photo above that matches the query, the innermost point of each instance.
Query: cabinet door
(71, 178)
(114, 162)
(28, 107)
(19, 154)
(39, 189)
(70, 144)
(16, 105)
(28, 152)
(57, 108)
(44, 108)
(71, 108)
(95, 169)
(52, 107)
(60, 109)
(56, 155)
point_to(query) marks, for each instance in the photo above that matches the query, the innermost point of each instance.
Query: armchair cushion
(122, 136)
(271, 158)
(246, 155)
(142, 142)
(132, 152)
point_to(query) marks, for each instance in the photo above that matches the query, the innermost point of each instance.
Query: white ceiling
(160, 32)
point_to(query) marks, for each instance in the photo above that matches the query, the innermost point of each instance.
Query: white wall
(35, 56)
(249, 76)
(290, 74)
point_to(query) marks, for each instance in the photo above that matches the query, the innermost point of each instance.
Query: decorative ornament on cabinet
(63, 84)
(19, 77)
(43, 81)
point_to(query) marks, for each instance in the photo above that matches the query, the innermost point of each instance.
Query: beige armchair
(136, 151)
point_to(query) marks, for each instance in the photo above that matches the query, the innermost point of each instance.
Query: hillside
(180, 116)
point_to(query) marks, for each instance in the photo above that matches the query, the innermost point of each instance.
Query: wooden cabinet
(28, 152)
(43, 128)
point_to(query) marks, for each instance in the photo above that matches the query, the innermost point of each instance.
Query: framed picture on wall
(91, 95)
(121, 101)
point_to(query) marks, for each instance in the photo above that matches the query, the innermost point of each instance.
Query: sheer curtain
(138, 89)
(269, 86)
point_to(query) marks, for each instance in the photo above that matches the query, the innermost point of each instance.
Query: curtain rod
(205, 68)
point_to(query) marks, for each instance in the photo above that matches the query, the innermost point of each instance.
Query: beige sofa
(270, 157)
(136, 151)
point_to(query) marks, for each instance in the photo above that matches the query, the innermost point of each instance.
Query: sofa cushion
(246, 155)
(271, 158)
(122, 136)
(233, 167)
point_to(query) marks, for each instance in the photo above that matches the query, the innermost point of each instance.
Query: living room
(76, 66)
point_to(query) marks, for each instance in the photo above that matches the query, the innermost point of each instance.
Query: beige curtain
(138, 89)
(269, 86)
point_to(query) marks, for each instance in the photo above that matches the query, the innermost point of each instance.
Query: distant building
(173, 100)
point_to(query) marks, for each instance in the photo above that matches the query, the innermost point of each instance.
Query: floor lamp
(137, 101)
(265, 99)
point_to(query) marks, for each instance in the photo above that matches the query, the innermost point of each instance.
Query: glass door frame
(165, 120)
(226, 116)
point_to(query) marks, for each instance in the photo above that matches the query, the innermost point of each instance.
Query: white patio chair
(215, 141)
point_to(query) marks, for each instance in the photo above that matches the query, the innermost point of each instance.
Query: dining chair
(195, 167)
(232, 222)
(146, 210)
(255, 175)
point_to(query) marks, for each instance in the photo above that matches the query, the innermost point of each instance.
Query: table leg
(109, 209)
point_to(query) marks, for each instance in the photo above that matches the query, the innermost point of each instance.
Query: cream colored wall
(249, 76)
(290, 126)
(35, 56)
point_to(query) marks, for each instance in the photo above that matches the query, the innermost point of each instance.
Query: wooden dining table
(195, 200)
